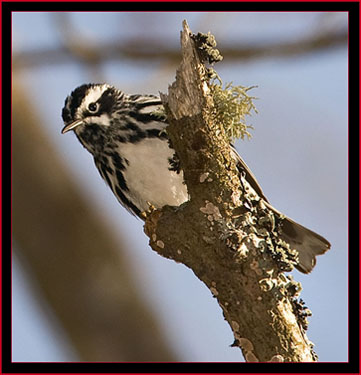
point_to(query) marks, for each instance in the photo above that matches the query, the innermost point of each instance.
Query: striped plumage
(125, 134)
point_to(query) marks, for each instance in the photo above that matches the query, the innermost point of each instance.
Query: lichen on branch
(231, 105)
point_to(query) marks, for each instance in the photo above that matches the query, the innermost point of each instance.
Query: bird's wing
(250, 177)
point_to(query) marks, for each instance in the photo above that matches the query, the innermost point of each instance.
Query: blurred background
(86, 285)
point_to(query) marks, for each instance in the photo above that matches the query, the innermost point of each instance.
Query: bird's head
(89, 107)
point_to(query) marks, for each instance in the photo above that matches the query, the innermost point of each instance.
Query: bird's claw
(151, 209)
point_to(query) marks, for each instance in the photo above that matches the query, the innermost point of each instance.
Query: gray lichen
(258, 219)
(206, 47)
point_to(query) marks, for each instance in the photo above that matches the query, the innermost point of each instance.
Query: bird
(126, 135)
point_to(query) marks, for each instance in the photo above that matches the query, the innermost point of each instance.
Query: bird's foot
(150, 210)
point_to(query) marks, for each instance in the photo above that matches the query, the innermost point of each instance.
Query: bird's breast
(147, 174)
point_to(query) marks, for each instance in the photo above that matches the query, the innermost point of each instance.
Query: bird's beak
(71, 126)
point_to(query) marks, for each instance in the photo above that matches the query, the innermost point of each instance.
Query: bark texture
(227, 245)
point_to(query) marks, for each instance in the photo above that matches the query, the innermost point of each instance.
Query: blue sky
(298, 153)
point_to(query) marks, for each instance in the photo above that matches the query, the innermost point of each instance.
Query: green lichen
(231, 105)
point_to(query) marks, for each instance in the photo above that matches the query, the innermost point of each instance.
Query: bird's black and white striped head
(90, 104)
(91, 111)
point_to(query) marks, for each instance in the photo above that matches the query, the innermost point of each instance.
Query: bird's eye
(93, 107)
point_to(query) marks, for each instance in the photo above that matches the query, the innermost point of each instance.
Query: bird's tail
(305, 241)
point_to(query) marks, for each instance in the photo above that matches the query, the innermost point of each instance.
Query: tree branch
(217, 236)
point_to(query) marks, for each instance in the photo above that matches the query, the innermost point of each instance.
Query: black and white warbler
(125, 134)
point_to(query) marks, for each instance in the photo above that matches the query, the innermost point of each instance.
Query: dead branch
(256, 298)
